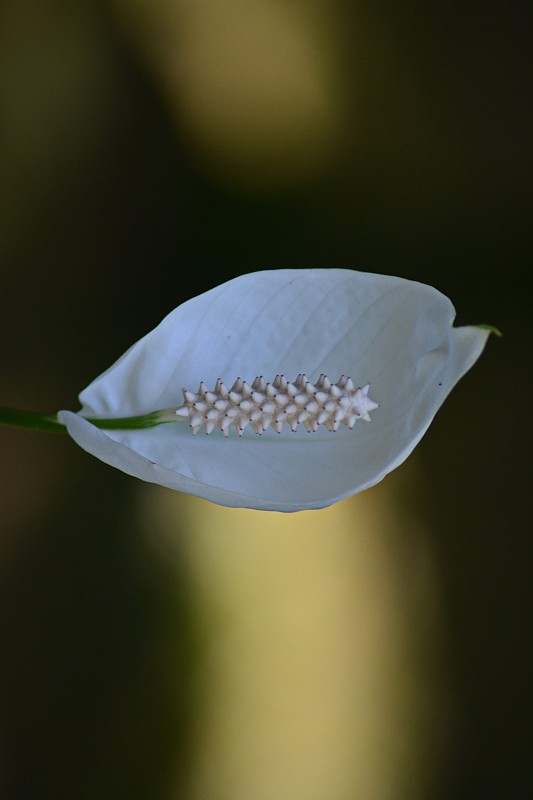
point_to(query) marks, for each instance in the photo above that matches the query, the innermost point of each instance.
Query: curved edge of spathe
(97, 443)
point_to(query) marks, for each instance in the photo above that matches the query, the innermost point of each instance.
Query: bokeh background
(153, 645)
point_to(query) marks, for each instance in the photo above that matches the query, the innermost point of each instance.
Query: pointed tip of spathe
(491, 329)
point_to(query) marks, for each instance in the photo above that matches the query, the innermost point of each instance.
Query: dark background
(111, 216)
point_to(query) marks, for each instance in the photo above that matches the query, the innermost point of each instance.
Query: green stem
(49, 423)
(31, 420)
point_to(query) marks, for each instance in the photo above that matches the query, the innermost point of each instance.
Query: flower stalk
(260, 406)
(48, 423)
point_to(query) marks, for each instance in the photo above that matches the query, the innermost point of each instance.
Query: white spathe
(391, 333)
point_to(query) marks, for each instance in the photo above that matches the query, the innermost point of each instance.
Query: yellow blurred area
(317, 677)
(256, 87)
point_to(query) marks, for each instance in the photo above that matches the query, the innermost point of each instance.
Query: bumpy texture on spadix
(393, 334)
(263, 405)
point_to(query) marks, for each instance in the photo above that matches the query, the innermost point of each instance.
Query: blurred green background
(151, 150)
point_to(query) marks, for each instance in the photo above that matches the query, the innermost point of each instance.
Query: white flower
(392, 334)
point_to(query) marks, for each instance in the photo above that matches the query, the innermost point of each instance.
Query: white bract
(283, 441)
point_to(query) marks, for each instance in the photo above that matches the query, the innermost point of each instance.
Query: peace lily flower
(269, 385)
